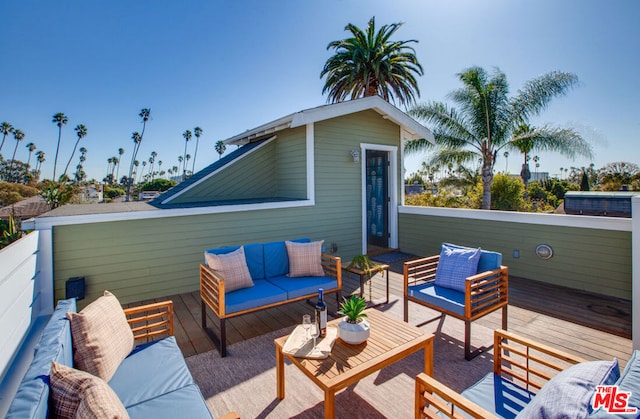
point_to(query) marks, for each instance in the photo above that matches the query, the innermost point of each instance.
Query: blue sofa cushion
(499, 396)
(489, 260)
(262, 293)
(442, 297)
(630, 379)
(32, 397)
(569, 393)
(305, 285)
(455, 265)
(151, 370)
(276, 258)
(253, 254)
(186, 402)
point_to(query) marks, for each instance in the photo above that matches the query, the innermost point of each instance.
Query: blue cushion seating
(176, 404)
(498, 395)
(253, 254)
(276, 258)
(630, 380)
(304, 285)
(262, 293)
(446, 298)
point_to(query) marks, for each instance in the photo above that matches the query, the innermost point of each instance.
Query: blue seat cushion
(499, 396)
(276, 258)
(32, 397)
(186, 402)
(149, 371)
(253, 254)
(489, 260)
(442, 297)
(262, 293)
(630, 380)
(304, 285)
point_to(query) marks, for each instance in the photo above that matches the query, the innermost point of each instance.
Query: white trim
(43, 223)
(392, 184)
(205, 178)
(44, 268)
(560, 220)
(635, 266)
(311, 163)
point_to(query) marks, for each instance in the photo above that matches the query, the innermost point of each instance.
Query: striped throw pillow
(455, 266)
(232, 268)
(305, 259)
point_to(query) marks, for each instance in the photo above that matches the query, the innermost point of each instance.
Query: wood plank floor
(588, 325)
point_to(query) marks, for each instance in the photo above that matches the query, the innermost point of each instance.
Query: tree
(59, 119)
(369, 64)
(220, 148)
(120, 153)
(41, 159)
(18, 135)
(197, 132)
(488, 119)
(6, 129)
(31, 147)
(584, 181)
(614, 175)
(145, 114)
(81, 132)
(187, 137)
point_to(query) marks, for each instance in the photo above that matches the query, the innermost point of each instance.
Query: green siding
(291, 167)
(586, 259)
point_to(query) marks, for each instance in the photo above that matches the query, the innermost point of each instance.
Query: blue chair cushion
(489, 260)
(150, 371)
(253, 254)
(262, 293)
(442, 297)
(305, 285)
(569, 393)
(185, 402)
(628, 381)
(276, 258)
(32, 397)
(499, 396)
(455, 265)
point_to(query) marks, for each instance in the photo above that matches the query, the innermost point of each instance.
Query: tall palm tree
(18, 135)
(369, 64)
(220, 148)
(59, 119)
(145, 114)
(120, 153)
(488, 119)
(6, 129)
(81, 132)
(197, 132)
(187, 137)
(40, 158)
(31, 147)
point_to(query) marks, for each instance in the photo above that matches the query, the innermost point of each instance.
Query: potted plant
(367, 266)
(354, 327)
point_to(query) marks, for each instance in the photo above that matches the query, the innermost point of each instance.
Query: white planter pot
(353, 333)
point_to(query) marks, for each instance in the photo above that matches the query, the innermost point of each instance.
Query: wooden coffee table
(390, 341)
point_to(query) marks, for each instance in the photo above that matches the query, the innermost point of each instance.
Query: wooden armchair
(521, 362)
(151, 321)
(485, 292)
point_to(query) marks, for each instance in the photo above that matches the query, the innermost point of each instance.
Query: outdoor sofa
(531, 380)
(463, 282)
(254, 277)
(151, 381)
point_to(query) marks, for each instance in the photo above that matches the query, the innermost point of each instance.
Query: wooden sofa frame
(485, 293)
(212, 295)
(527, 363)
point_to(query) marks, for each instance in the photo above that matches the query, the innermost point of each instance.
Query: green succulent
(353, 308)
(365, 264)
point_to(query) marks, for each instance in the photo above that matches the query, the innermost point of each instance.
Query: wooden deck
(590, 326)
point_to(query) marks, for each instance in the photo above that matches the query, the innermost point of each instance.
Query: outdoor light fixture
(544, 251)
(356, 155)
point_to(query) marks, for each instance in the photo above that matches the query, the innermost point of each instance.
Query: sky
(228, 66)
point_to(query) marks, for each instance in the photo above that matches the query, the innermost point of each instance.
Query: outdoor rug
(245, 381)
(392, 257)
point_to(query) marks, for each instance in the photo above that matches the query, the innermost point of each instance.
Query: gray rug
(245, 381)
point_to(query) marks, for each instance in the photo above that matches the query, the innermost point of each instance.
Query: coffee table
(390, 341)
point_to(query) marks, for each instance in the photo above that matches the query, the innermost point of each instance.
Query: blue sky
(228, 66)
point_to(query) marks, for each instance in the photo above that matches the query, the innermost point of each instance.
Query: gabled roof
(321, 113)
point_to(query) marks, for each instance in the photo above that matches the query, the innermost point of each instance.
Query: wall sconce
(356, 155)
(544, 251)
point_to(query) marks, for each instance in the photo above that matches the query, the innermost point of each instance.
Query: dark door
(377, 195)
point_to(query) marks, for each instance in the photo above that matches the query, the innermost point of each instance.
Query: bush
(10, 193)
(159, 185)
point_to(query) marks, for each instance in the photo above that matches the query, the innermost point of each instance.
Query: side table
(368, 273)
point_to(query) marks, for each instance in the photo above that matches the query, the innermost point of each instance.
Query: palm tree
(145, 114)
(197, 131)
(187, 137)
(506, 156)
(59, 119)
(220, 148)
(120, 153)
(40, 157)
(488, 121)
(369, 64)
(18, 135)
(6, 129)
(81, 132)
(31, 147)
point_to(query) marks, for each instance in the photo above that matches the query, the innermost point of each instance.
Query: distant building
(606, 204)
(27, 208)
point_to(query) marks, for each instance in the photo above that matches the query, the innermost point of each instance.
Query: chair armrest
(526, 362)
(151, 320)
(212, 290)
(332, 266)
(423, 270)
(230, 415)
(486, 291)
(433, 399)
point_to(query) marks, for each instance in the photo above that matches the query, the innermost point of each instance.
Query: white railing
(635, 245)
